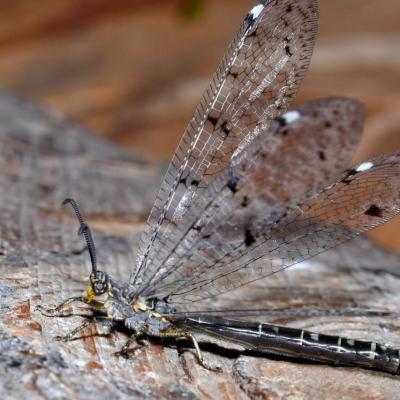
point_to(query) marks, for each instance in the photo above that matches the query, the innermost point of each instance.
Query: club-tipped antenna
(85, 231)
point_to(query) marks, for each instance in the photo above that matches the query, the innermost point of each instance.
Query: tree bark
(44, 159)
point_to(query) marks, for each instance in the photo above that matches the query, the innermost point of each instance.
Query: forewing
(363, 199)
(256, 79)
(306, 150)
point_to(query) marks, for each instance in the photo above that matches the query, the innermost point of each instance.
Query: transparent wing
(363, 199)
(305, 152)
(256, 79)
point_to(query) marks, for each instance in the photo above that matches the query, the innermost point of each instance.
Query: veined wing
(305, 152)
(364, 198)
(256, 79)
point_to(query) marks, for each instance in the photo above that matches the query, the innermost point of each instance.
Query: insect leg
(135, 338)
(173, 333)
(56, 311)
(70, 336)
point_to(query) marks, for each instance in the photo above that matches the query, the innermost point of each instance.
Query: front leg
(72, 335)
(56, 311)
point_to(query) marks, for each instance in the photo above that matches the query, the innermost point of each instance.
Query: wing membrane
(268, 179)
(255, 81)
(363, 199)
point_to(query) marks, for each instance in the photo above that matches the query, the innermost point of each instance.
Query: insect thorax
(137, 314)
(148, 317)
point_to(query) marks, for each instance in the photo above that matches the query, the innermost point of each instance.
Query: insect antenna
(85, 231)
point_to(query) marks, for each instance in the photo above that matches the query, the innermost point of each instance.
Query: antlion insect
(249, 193)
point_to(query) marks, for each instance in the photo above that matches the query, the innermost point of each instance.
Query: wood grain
(43, 159)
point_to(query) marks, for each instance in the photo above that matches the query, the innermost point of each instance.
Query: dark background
(133, 71)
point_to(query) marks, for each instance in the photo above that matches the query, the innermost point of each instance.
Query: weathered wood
(43, 159)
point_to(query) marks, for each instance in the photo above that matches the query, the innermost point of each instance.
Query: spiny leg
(172, 333)
(136, 338)
(51, 311)
(70, 336)
(56, 311)
(181, 351)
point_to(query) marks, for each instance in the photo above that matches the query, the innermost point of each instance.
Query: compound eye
(99, 287)
(99, 282)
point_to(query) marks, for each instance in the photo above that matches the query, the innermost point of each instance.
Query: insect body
(251, 190)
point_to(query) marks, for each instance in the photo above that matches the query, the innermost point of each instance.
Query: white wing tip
(257, 10)
(290, 117)
(364, 166)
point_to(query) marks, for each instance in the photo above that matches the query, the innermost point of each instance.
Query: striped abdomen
(300, 343)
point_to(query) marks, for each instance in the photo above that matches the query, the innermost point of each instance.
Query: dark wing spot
(194, 183)
(249, 239)
(183, 181)
(250, 19)
(253, 34)
(287, 47)
(226, 128)
(285, 132)
(374, 211)
(321, 156)
(288, 51)
(350, 173)
(233, 74)
(233, 183)
(328, 124)
(289, 8)
(245, 201)
(213, 120)
(282, 121)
